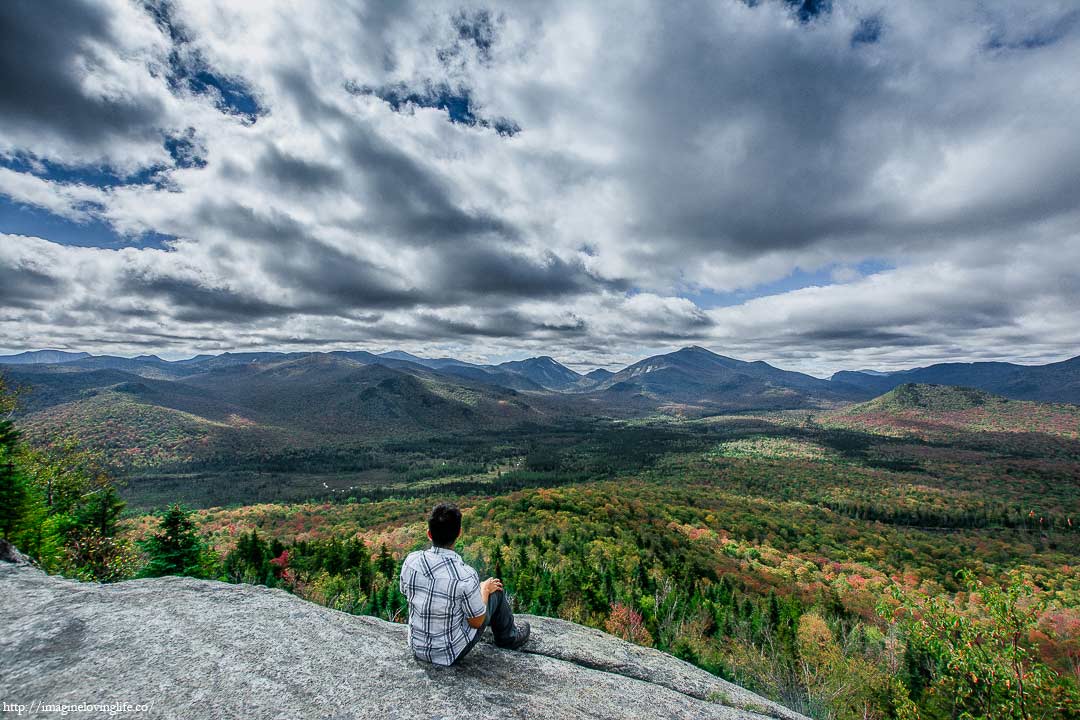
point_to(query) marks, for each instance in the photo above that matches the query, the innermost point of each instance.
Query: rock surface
(201, 649)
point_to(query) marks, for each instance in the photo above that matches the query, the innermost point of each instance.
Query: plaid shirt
(443, 593)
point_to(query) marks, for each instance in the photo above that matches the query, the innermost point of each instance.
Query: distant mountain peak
(434, 363)
(544, 370)
(400, 355)
(42, 357)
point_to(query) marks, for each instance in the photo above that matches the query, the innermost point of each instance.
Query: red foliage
(626, 623)
(280, 563)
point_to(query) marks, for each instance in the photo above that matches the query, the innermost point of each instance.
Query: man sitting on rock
(449, 607)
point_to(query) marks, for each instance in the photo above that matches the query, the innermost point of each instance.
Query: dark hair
(444, 524)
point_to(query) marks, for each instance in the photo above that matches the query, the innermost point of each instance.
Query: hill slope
(947, 413)
(696, 376)
(1055, 382)
(938, 398)
(198, 649)
(133, 433)
(342, 397)
(254, 405)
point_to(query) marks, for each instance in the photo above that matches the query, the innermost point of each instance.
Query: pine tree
(386, 562)
(774, 610)
(15, 496)
(359, 561)
(250, 561)
(24, 520)
(177, 549)
(100, 511)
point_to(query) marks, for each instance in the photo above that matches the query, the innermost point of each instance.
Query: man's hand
(486, 588)
(489, 586)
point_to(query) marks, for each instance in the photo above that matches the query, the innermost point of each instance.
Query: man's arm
(403, 586)
(486, 588)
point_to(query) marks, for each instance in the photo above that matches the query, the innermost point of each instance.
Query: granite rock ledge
(202, 649)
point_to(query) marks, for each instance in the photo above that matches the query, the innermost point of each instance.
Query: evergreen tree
(177, 549)
(249, 561)
(773, 610)
(24, 521)
(386, 562)
(100, 511)
(359, 561)
(15, 495)
(58, 508)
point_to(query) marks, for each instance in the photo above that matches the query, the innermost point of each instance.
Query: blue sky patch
(867, 32)
(807, 10)
(185, 150)
(232, 96)
(458, 104)
(708, 299)
(189, 70)
(19, 219)
(102, 176)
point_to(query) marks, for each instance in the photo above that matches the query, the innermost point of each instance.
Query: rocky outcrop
(199, 649)
(10, 554)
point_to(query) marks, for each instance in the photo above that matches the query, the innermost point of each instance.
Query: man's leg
(479, 633)
(501, 620)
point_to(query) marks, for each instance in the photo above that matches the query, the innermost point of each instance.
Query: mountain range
(147, 410)
(542, 373)
(1055, 382)
(692, 376)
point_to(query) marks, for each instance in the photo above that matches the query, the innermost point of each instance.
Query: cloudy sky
(852, 184)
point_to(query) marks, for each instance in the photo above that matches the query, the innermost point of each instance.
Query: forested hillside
(786, 551)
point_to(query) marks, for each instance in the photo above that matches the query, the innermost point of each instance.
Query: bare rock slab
(202, 649)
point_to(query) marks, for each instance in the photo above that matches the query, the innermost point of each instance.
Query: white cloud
(663, 150)
(68, 200)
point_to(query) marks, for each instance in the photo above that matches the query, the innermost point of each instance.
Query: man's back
(443, 592)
